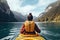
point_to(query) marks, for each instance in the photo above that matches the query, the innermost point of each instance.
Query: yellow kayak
(29, 37)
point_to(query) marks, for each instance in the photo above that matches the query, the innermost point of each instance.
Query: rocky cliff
(52, 12)
(6, 15)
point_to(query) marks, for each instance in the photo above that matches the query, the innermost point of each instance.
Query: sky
(29, 6)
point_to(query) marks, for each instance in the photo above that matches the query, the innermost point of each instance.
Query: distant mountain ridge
(52, 12)
(19, 16)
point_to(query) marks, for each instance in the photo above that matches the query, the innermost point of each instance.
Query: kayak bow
(29, 37)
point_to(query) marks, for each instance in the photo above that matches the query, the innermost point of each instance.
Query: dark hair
(30, 13)
(30, 17)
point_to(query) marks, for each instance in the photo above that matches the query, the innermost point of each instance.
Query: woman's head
(30, 13)
(30, 17)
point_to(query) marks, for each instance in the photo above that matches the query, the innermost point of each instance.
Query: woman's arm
(37, 29)
(22, 29)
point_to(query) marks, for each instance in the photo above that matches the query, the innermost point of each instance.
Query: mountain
(6, 14)
(35, 18)
(52, 12)
(19, 16)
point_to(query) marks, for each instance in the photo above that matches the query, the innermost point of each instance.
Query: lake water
(8, 31)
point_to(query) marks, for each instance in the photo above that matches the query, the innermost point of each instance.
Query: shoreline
(50, 22)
